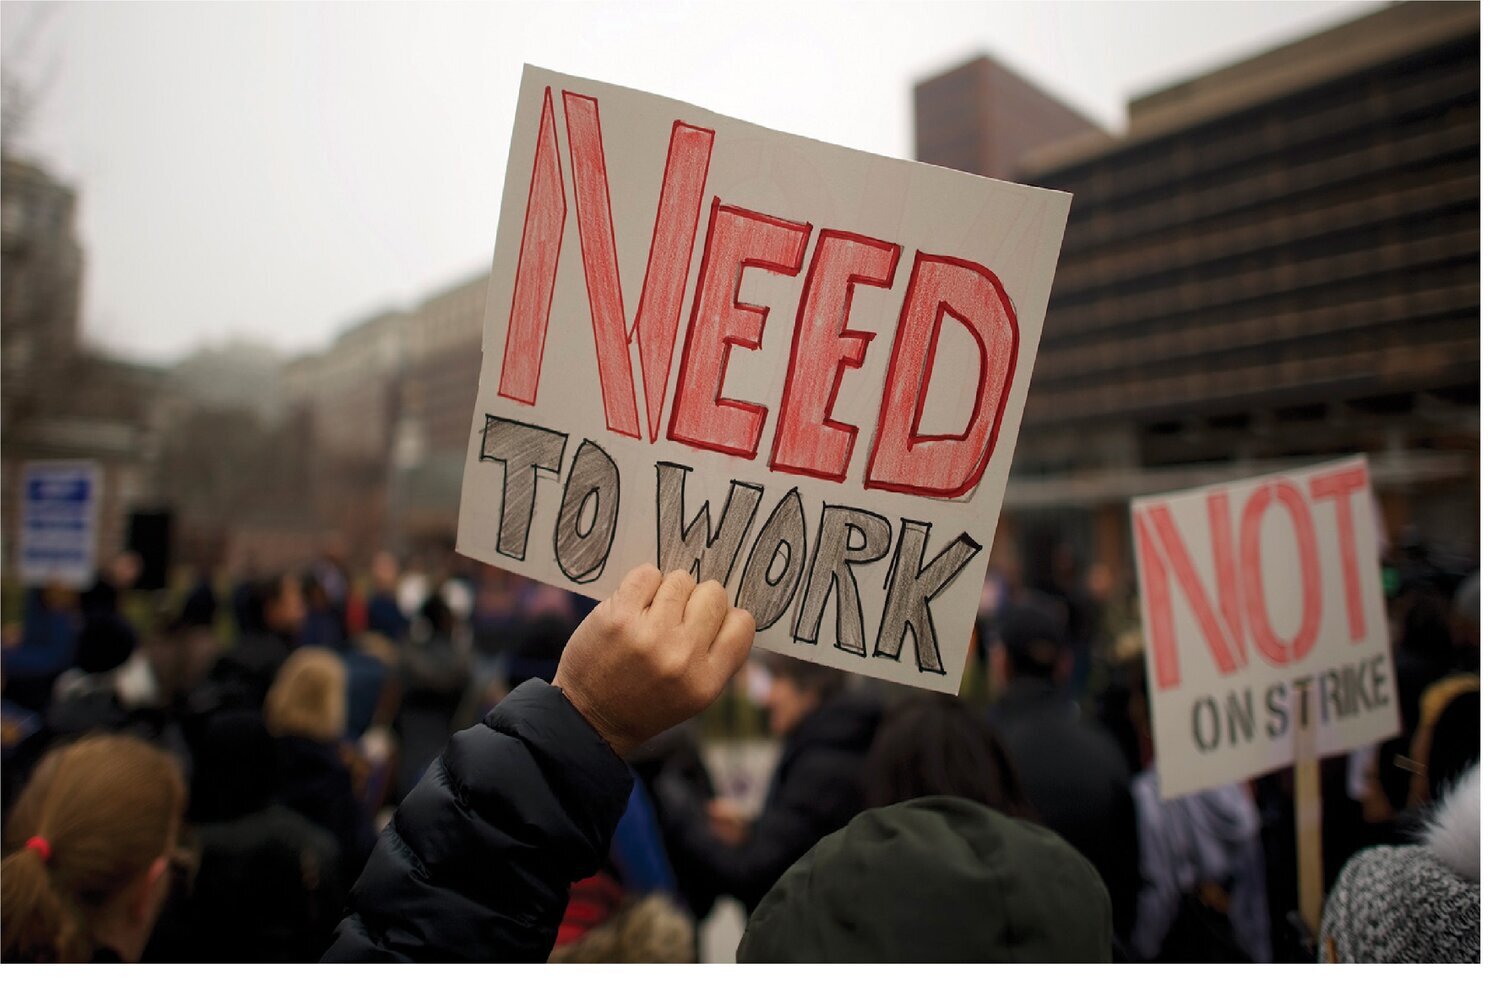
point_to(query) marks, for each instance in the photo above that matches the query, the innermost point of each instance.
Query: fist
(656, 652)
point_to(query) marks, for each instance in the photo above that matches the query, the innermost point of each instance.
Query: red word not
(1239, 578)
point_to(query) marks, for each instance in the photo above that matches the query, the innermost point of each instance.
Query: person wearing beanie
(936, 879)
(1072, 772)
(1414, 903)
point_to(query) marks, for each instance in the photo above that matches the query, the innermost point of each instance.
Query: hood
(937, 879)
(1452, 830)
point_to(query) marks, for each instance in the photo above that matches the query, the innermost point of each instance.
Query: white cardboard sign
(1265, 624)
(782, 364)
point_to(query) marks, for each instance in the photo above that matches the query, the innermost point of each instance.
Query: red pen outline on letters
(862, 337)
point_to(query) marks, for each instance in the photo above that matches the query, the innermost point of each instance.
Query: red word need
(806, 440)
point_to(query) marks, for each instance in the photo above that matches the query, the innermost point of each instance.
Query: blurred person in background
(934, 744)
(495, 623)
(1121, 707)
(458, 593)
(1203, 894)
(537, 646)
(23, 740)
(108, 638)
(323, 622)
(144, 696)
(370, 665)
(273, 615)
(1071, 771)
(33, 660)
(383, 612)
(671, 764)
(435, 673)
(242, 593)
(268, 886)
(1424, 653)
(1203, 879)
(305, 711)
(1447, 739)
(89, 853)
(200, 607)
(412, 588)
(1081, 620)
(817, 786)
(534, 646)
(330, 570)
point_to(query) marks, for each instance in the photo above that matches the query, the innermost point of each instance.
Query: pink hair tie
(41, 847)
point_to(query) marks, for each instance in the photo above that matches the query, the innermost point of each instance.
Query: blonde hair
(308, 697)
(104, 809)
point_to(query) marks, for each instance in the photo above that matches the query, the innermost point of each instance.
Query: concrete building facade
(1276, 263)
(436, 406)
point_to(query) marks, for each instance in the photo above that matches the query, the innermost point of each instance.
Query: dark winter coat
(243, 675)
(315, 782)
(1076, 778)
(268, 889)
(817, 787)
(477, 862)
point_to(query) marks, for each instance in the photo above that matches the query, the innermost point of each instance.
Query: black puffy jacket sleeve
(477, 862)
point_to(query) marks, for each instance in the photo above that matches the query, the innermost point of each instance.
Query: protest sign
(1264, 622)
(59, 523)
(814, 401)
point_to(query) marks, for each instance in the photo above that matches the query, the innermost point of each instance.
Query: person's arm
(1156, 903)
(477, 862)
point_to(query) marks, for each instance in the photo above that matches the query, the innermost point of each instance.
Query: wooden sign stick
(1309, 813)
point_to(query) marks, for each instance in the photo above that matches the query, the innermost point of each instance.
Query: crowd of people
(463, 764)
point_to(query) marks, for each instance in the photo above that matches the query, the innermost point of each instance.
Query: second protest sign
(1264, 622)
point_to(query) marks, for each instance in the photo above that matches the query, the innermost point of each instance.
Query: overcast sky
(280, 171)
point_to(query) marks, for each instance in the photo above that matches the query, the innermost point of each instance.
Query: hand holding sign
(656, 652)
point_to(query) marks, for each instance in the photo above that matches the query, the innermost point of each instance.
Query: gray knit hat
(1418, 903)
(937, 879)
(1400, 904)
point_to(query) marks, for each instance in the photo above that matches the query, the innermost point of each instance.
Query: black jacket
(242, 676)
(477, 862)
(1076, 778)
(268, 889)
(315, 782)
(818, 786)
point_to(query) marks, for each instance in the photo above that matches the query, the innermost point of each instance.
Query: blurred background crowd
(1274, 263)
(302, 705)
